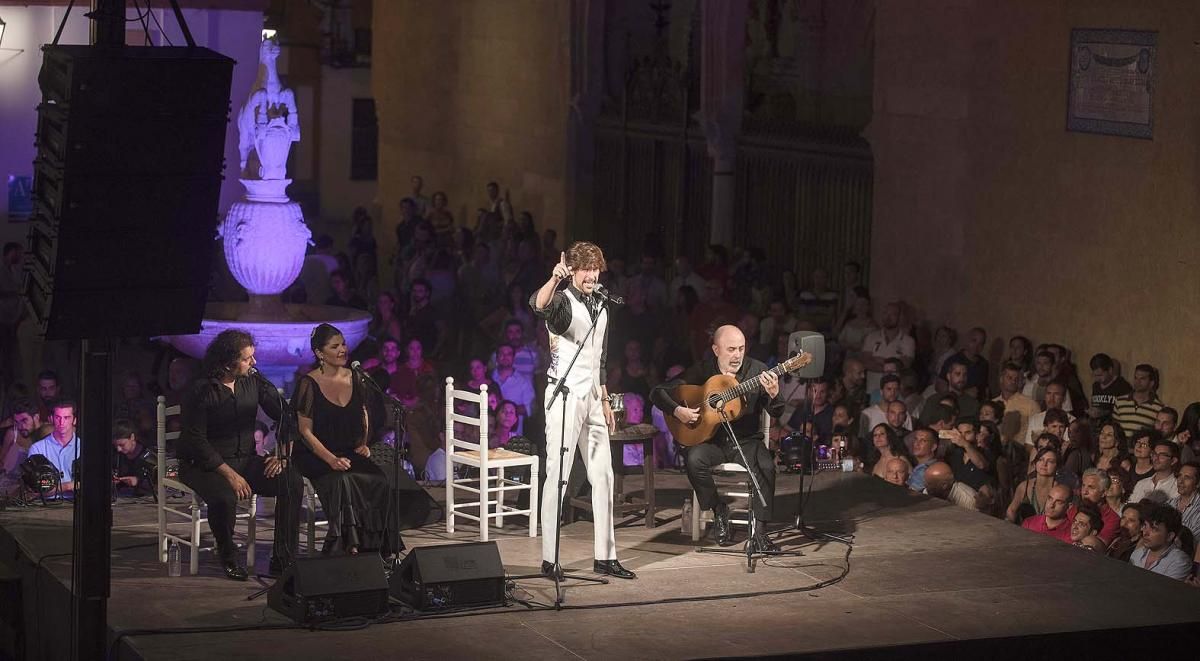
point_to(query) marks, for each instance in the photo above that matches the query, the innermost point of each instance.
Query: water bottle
(173, 563)
(685, 518)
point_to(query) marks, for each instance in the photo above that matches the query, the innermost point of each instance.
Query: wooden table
(623, 504)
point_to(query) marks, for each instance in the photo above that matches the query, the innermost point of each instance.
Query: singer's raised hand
(561, 270)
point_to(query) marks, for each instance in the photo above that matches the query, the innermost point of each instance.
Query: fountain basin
(281, 345)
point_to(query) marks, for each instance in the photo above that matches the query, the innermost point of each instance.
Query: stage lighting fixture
(38, 474)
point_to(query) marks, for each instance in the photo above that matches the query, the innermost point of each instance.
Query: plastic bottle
(685, 518)
(174, 568)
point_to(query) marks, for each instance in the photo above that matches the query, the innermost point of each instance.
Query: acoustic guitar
(720, 393)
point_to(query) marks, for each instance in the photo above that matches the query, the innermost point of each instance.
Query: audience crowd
(1110, 469)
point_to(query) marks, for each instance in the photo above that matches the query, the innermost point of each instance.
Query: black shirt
(747, 427)
(219, 424)
(1105, 398)
(557, 315)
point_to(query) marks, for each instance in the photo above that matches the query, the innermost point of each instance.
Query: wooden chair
(739, 514)
(488, 482)
(192, 510)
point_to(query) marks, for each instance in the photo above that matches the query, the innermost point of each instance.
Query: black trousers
(701, 458)
(218, 494)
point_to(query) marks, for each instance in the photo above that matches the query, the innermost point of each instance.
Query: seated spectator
(382, 367)
(897, 471)
(424, 428)
(1142, 444)
(1052, 521)
(1077, 447)
(386, 320)
(940, 483)
(1030, 495)
(505, 424)
(61, 447)
(526, 357)
(889, 389)
(631, 374)
(898, 418)
(23, 421)
(1092, 490)
(1165, 423)
(1139, 409)
(1111, 448)
(1186, 503)
(972, 465)
(49, 390)
(1120, 485)
(132, 473)
(514, 386)
(1159, 551)
(478, 376)
(134, 404)
(1130, 535)
(1053, 397)
(1160, 486)
(923, 445)
(403, 382)
(811, 415)
(1085, 529)
(885, 445)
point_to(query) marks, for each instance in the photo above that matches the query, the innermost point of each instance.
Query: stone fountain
(265, 237)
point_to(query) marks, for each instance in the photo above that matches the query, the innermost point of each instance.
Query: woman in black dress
(330, 404)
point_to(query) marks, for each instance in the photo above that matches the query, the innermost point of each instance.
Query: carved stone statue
(268, 123)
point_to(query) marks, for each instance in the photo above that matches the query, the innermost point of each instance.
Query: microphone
(356, 366)
(603, 292)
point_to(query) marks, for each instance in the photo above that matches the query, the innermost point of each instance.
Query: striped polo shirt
(1133, 416)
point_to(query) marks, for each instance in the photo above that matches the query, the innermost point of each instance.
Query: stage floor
(924, 579)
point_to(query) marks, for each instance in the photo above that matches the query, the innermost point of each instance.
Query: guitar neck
(749, 385)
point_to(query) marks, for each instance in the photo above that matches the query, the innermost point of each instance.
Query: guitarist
(728, 358)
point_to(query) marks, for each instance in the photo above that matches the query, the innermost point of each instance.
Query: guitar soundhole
(714, 402)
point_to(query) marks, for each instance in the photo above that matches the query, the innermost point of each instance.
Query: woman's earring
(321, 365)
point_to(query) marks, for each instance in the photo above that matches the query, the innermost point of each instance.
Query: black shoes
(721, 528)
(548, 570)
(611, 568)
(234, 571)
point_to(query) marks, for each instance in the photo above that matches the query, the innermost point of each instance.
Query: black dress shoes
(721, 528)
(234, 571)
(612, 568)
(548, 570)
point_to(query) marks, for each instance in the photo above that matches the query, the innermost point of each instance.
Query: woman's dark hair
(1190, 421)
(224, 351)
(895, 445)
(1043, 452)
(1123, 477)
(321, 335)
(994, 445)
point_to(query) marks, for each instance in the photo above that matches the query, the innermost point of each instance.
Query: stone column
(722, 90)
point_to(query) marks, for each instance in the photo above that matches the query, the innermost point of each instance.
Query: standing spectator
(1016, 404)
(1055, 395)
(890, 341)
(851, 286)
(439, 215)
(1053, 520)
(343, 292)
(1161, 486)
(819, 303)
(1107, 386)
(1043, 374)
(857, 325)
(1020, 351)
(496, 205)
(1187, 504)
(420, 201)
(424, 323)
(1159, 553)
(945, 339)
(1139, 409)
(684, 275)
(978, 368)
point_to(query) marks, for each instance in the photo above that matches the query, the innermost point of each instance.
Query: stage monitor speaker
(130, 149)
(450, 576)
(812, 343)
(320, 589)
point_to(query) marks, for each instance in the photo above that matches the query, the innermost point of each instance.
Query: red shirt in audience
(1038, 524)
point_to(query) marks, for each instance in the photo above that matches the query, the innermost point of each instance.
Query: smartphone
(946, 433)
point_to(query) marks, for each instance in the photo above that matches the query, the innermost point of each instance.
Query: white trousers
(585, 428)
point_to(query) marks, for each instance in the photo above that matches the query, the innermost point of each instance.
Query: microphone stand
(283, 453)
(560, 388)
(397, 413)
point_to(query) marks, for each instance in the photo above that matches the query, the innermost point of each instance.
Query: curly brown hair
(224, 351)
(586, 255)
